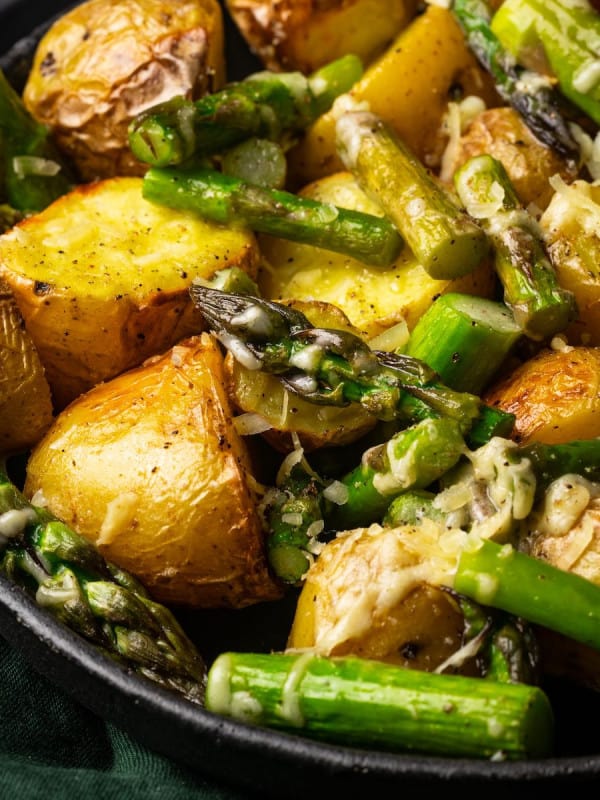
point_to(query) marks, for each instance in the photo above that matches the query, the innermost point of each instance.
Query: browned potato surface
(555, 396)
(149, 468)
(501, 133)
(25, 401)
(105, 61)
(102, 279)
(305, 34)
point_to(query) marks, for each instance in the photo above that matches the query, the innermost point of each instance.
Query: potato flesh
(409, 87)
(149, 467)
(372, 299)
(25, 401)
(306, 34)
(105, 61)
(555, 396)
(102, 279)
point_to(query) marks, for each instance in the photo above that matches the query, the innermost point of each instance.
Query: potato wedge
(401, 617)
(149, 468)
(102, 279)
(105, 61)
(306, 34)
(25, 400)
(555, 396)
(372, 299)
(409, 86)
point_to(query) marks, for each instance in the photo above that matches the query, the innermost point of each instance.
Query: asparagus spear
(229, 200)
(265, 105)
(445, 240)
(102, 603)
(370, 703)
(539, 304)
(568, 36)
(335, 367)
(453, 333)
(31, 170)
(532, 95)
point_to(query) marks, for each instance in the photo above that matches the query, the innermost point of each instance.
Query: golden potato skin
(25, 400)
(306, 34)
(102, 279)
(105, 61)
(501, 133)
(372, 299)
(408, 86)
(149, 468)
(555, 396)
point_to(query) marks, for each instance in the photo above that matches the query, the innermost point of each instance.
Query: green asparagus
(336, 367)
(265, 105)
(228, 200)
(369, 703)
(531, 94)
(102, 603)
(445, 240)
(539, 304)
(454, 332)
(32, 174)
(564, 35)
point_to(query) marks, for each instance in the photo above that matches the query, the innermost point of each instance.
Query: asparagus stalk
(412, 459)
(225, 199)
(502, 577)
(445, 240)
(266, 105)
(551, 461)
(370, 703)
(539, 304)
(336, 368)
(454, 332)
(102, 603)
(531, 94)
(31, 170)
(568, 36)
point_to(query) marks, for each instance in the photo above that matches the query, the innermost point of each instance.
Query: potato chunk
(102, 279)
(149, 468)
(555, 396)
(25, 401)
(105, 61)
(372, 299)
(305, 34)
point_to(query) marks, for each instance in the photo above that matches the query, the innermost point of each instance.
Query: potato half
(555, 396)
(25, 401)
(102, 279)
(105, 61)
(305, 34)
(372, 299)
(149, 468)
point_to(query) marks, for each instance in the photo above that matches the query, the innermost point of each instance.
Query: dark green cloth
(52, 747)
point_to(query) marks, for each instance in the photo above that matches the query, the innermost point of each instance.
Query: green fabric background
(53, 748)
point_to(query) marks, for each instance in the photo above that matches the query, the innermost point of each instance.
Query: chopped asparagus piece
(539, 304)
(370, 703)
(445, 240)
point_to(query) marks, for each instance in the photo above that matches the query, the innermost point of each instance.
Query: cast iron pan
(258, 761)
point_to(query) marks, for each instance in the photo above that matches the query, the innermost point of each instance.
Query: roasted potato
(555, 396)
(375, 593)
(25, 400)
(306, 34)
(571, 226)
(372, 299)
(501, 133)
(149, 468)
(105, 61)
(408, 86)
(102, 279)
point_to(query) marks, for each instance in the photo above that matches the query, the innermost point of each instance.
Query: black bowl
(259, 761)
